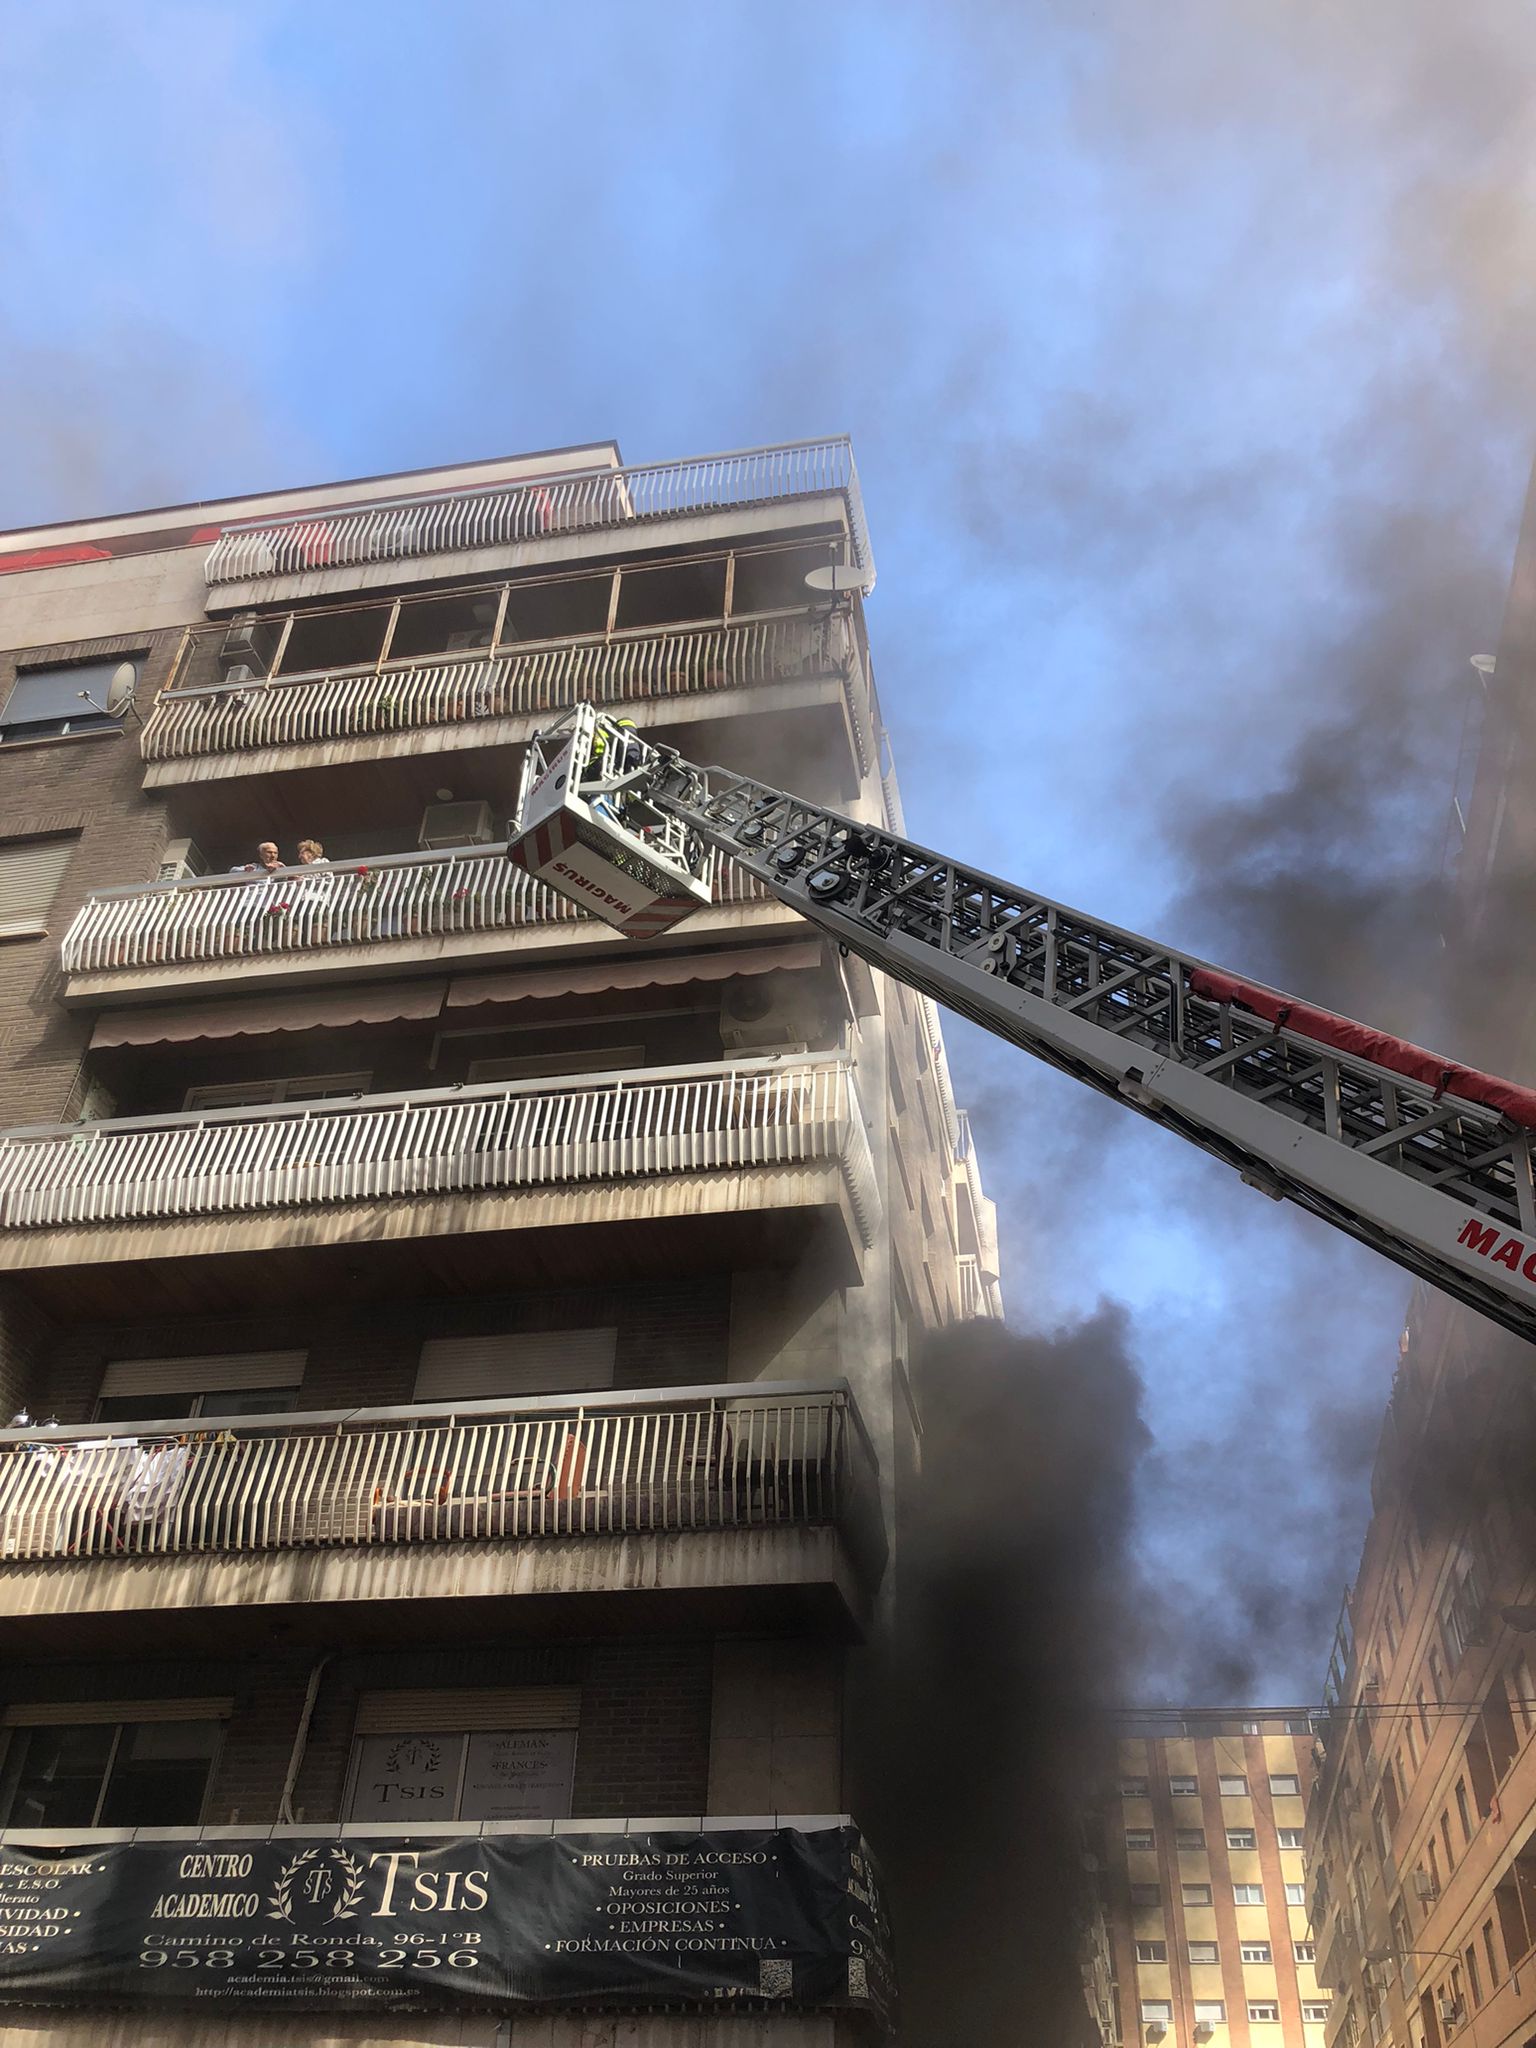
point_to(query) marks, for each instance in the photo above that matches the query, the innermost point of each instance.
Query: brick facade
(674, 1333)
(89, 786)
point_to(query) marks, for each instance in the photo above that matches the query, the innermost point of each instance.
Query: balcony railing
(708, 1458)
(386, 901)
(504, 514)
(358, 703)
(441, 1141)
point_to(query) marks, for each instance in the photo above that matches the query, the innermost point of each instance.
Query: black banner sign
(338, 1923)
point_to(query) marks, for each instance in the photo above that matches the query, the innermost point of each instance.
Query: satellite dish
(122, 686)
(1484, 663)
(835, 576)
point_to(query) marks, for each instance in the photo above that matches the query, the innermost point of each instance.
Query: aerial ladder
(1427, 1161)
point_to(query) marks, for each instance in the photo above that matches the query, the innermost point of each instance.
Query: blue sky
(1186, 352)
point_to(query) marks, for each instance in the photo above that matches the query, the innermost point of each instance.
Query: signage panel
(776, 1916)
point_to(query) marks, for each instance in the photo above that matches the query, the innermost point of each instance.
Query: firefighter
(610, 758)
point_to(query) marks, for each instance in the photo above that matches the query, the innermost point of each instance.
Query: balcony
(661, 1143)
(235, 933)
(769, 1490)
(247, 561)
(495, 698)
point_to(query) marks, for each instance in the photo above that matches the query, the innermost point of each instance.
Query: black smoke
(1015, 1607)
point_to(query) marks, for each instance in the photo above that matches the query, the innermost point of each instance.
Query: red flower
(273, 908)
(459, 893)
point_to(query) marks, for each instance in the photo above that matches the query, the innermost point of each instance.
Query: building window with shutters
(503, 1753)
(513, 1364)
(222, 1383)
(78, 696)
(141, 1763)
(30, 873)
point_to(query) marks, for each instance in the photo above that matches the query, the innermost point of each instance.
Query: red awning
(632, 970)
(256, 1016)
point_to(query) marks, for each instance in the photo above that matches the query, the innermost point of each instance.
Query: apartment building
(1423, 1826)
(457, 1358)
(1203, 1882)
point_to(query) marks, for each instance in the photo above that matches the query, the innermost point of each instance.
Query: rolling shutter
(495, 1708)
(210, 1372)
(93, 1713)
(30, 873)
(536, 1362)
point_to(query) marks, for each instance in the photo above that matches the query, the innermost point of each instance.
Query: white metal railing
(357, 702)
(586, 1465)
(451, 521)
(304, 910)
(444, 1140)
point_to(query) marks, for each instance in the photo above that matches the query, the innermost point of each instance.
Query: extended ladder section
(1427, 1161)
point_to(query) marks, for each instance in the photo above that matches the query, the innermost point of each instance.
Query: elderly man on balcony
(265, 895)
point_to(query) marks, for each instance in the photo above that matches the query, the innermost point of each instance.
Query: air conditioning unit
(181, 861)
(1450, 2012)
(243, 647)
(769, 1013)
(242, 672)
(1424, 1885)
(459, 824)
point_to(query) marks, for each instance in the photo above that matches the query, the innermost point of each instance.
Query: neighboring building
(478, 1344)
(1423, 1826)
(1203, 1881)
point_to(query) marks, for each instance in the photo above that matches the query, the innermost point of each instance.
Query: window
(1195, 1894)
(1298, 1727)
(1210, 2012)
(297, 1088)
(210, 1383)
(1145, 1895)
(1284, 1785)
(1290, 1838)
(592, 1059)
(505, 1753)
(1204, 1952)
(1242, 1838)
(1184, 1788)
(1138, 1838)
(30, 873)
(1133, 1788)
(1189, 1838)
(1232, 1786)
(1490, 1954)
(1151, 1951)
(1156, 2012)
(1422, 1703)
(511, 1363)
(111, 1772)
(1248, 1894)
(1474, 1976)
(46, 703)
(1435, 1685)
(1315, 2013)
(1520, 1691)
(1257, 1952)
(1304, 1951)
(1295, 1895)
(1263, 2009)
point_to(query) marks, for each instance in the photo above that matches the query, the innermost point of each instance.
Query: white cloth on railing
(154, 1485)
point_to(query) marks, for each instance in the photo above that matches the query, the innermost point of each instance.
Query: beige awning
(631, 970)
(256, 1016)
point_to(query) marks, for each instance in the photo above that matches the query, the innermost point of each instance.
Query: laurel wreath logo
(352, 1876)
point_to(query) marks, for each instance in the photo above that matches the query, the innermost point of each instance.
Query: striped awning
(632, 970)
(258, 1016)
